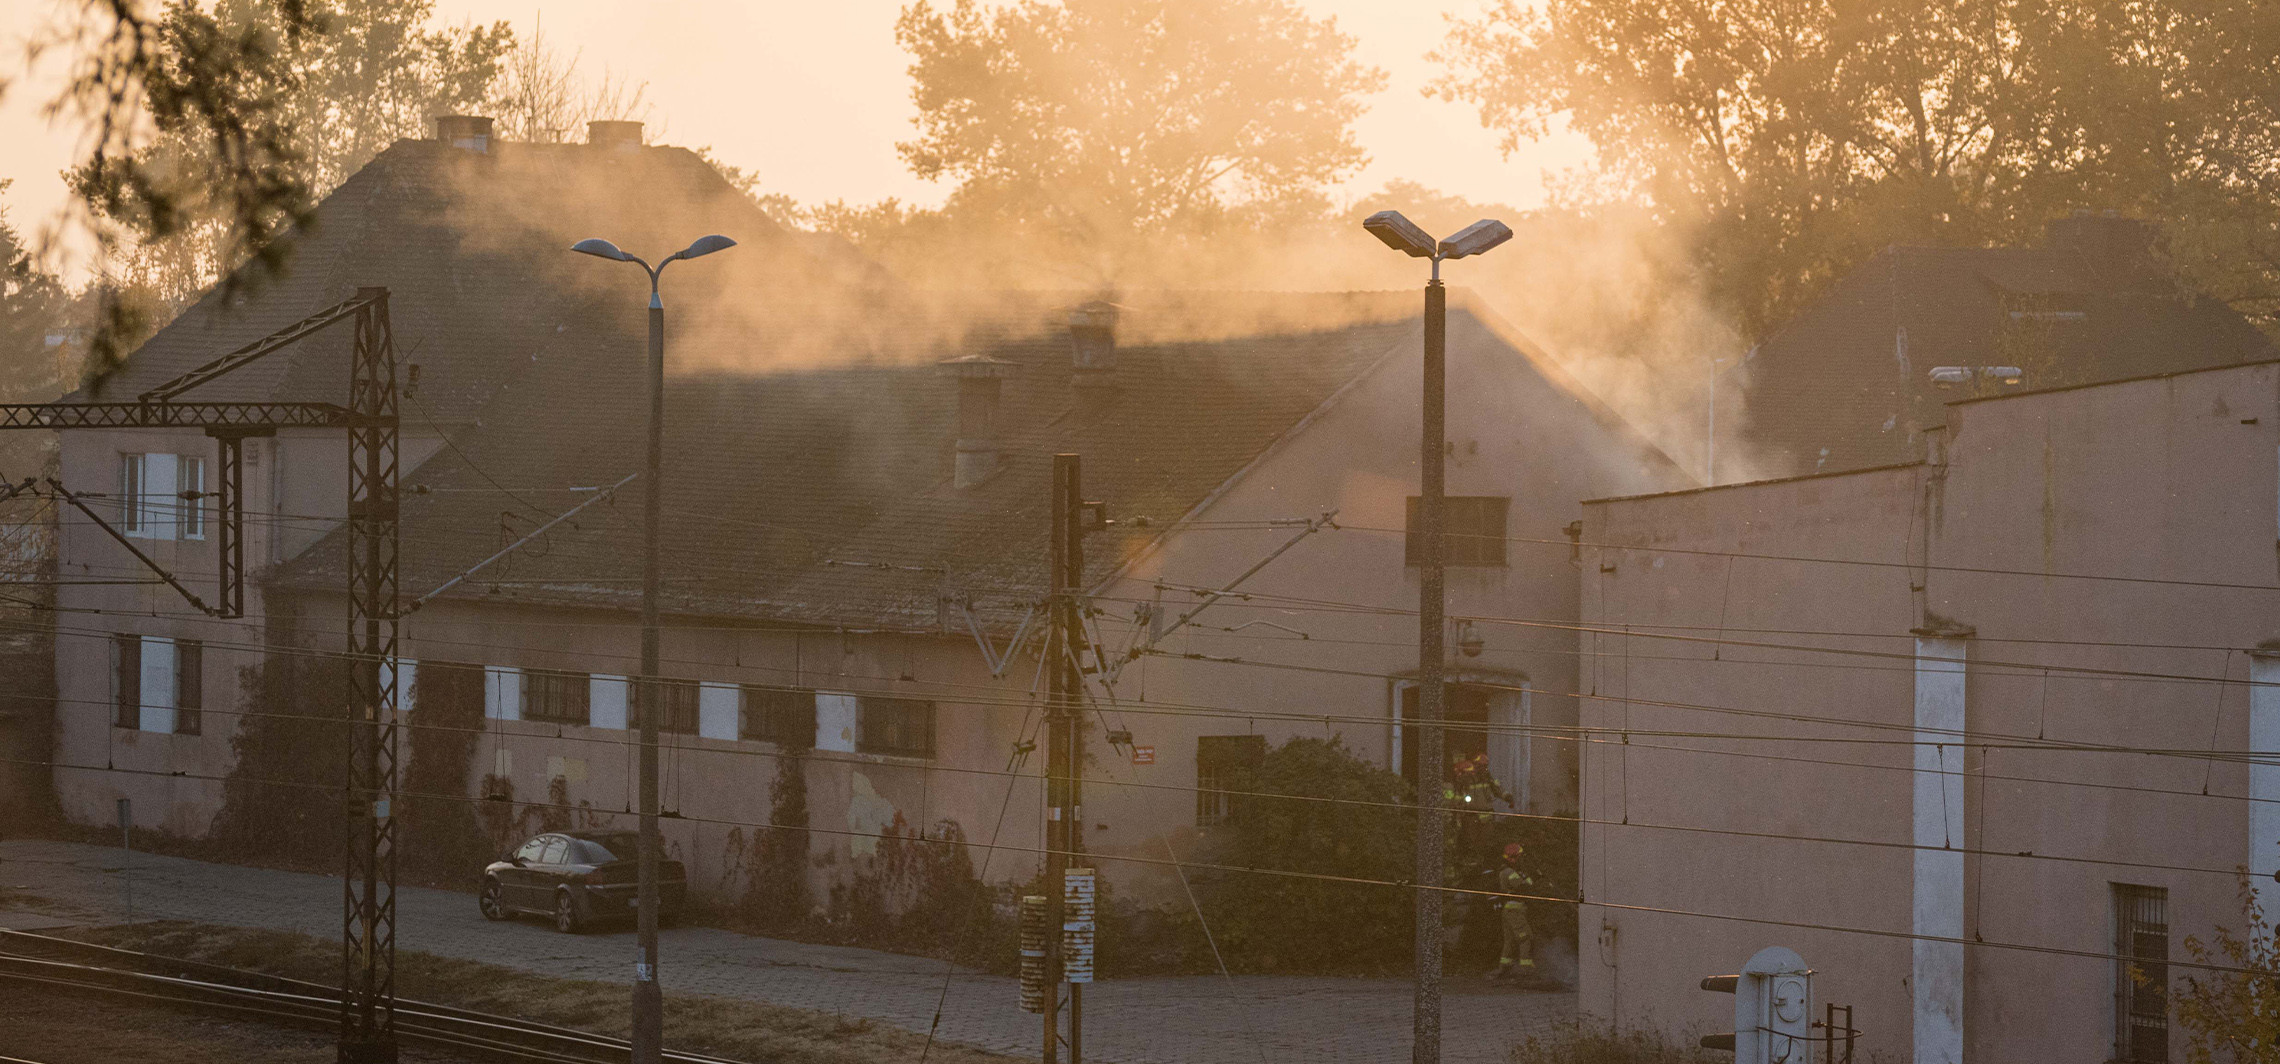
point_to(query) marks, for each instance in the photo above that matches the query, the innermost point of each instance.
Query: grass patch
(1586, 1046)
(726, 1027)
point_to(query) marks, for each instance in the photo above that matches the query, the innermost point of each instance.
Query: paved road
(1174, 1020)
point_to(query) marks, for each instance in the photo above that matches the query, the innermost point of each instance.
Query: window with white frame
(158, 684)
(162, 496)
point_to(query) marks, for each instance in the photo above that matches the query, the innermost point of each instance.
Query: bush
(1268, 922)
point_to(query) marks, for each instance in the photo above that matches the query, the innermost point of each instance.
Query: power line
(1254, 870)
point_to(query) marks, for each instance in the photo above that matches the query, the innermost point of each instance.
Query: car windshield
(603, 849)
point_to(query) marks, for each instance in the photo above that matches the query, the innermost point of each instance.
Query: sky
(813, 96)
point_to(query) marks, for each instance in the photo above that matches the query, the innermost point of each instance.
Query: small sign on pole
(1143, 755)
(1077, 925)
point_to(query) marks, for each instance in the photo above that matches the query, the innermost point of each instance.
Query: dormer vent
(466, 132)
(981, 386)
(614, 135)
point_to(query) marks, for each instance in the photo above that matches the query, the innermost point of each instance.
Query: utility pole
(1065, 751)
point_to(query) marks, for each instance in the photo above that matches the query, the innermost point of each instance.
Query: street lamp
(648, 999)
(1403, 235)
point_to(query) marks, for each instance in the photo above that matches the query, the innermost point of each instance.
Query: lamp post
(648, 999)
(1403, 235)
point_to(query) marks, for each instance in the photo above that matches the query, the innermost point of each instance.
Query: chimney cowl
(618, 134)
(468, 132)
(981, 384)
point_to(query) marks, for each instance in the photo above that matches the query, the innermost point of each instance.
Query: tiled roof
(474, 249)
(1842, 385)
(825, 495)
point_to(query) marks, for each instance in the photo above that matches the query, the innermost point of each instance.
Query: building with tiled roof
(855, 524)
(1856, 377)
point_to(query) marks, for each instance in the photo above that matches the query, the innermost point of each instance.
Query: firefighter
(1518, 960)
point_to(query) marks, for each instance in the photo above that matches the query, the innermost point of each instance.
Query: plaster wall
(2168, 489)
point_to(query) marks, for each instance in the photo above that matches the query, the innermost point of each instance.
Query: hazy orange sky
(814, 95)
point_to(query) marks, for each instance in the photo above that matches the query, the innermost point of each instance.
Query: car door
(518, 883)
(551, 871)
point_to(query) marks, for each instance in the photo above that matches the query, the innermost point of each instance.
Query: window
(131, 494)
(1224, 763)
(680, 698)
(557, 697)
(190, 483)
(775, 715)
(1464, 708)
(899, 726)
(557, 848)
(1472, 526)
(162, 496)
(531, 851)
(2141, 975)
(126, 681)
(189, 686)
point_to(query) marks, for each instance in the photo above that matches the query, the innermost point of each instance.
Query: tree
(32, 307)
(1785, 141)
(1089, 121)
(542, 98)
(2231, 1015)
(372, 71)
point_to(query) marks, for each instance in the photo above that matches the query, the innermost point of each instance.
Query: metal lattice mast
(368, 931)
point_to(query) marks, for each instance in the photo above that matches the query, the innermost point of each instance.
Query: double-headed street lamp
(648, 999)
(1403, 235)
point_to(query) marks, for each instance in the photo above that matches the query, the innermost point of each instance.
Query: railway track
(66, 966)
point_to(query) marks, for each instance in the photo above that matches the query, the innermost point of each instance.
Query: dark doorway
(1465, 705)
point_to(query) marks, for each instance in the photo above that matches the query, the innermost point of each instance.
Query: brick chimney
(2106, 240)
(615, 135)
(471, 132)
(981, 382)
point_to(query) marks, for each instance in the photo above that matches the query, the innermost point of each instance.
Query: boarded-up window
(126, 681)
(556, 697)
(189, 686)
(900, 726)
(784, 716)
(1472, 526)
(1223, 764)
(2141, 974)
(680, 701)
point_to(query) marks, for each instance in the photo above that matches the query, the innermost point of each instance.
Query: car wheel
(494, 907)
(566, 913)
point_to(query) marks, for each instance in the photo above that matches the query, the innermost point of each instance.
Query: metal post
(368, 993)
(648, 996)
(1068, 470)
(127, 843)
(1425, 1047)
(1058, 727)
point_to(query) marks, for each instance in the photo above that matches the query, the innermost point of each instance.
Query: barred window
(556, 697)
(2141, 974)
(190, 484)
(1224, 763)
(680, 699)
(1472, 527)
(189, 686)
(900, 726)
(780, 716)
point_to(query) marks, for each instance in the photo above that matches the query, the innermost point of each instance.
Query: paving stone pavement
(1171, 1020)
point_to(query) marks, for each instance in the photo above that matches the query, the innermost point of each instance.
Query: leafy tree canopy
(1789, 140)
(1091, 121)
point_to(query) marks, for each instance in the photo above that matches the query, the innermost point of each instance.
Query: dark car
(577, 877)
